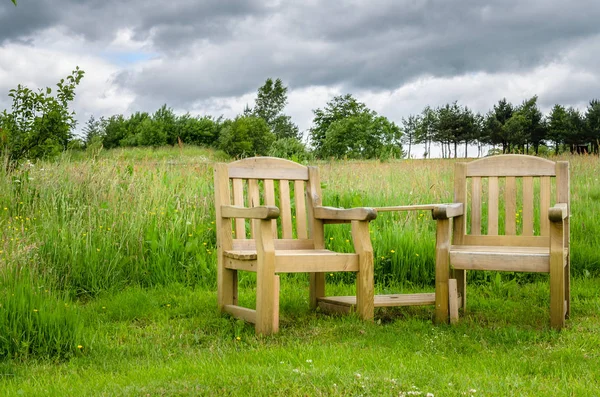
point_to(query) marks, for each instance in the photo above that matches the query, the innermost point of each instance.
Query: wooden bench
(269, 221)
(505, 219)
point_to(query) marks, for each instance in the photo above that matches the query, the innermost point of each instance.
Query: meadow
(108, 275)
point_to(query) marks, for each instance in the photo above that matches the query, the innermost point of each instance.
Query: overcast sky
(397, 56)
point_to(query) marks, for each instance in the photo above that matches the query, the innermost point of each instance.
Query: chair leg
(461, 285)
(568, 287)
(316, 288)
(267, 301)
(453, 300)
(365, 288)
(557, 276)
(442, 270)
(226, 285)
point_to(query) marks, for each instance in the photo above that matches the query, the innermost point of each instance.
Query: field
(108, 274)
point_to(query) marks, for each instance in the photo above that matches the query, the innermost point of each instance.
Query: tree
(592, 122)
(534, 128)
(246, 136)
(39, 124)
(558, 126)
(494, 124)
(93, 130)
(410, 131)
(269, 104)
(363, 136)
(338, 108)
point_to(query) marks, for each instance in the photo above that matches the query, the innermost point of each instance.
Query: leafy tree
(269, 104)
(410, 131)
(115, 131)
(365, 135)
(340, 107)
(164, 121)
(576, 137)
(246, 136)
(426, 129)
(39, 124)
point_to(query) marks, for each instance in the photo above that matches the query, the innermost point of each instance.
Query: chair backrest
(507, 198)
(269, 181)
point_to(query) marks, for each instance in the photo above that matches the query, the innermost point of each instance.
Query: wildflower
(35, 310)
(238, 338)
(203, 243)
(309, 361)
(331, 274)
(392, 251)
(168, 305)
(417, 254)
(79, 347)
(98, 249)
(347, 241)
(330, 238)
(5, 209)
(190, 235)
(103, 307)
(383, 257)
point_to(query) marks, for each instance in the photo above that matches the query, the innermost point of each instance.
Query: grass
(126, 240)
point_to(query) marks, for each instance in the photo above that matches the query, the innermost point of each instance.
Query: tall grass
(146, 217)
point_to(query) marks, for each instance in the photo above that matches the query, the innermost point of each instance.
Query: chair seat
(295, 261)
(501, 258)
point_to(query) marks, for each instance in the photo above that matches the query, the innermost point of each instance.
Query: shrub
(246, 136)
(289, 148)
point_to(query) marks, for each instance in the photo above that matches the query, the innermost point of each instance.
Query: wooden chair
(276, 195)
(503, 219)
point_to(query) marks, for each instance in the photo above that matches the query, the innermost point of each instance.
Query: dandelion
(330, 238)
(103, 307)
(35, 310)
(190, 235)
(168, 305)
(392, 251)
(383, 257)
(203, 243)
(347, 241)
(238, 338)
(79, 347)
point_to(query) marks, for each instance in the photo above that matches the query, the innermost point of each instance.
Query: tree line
(40, 125)
(506, 127)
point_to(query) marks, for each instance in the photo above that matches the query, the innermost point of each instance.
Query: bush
(289, 148)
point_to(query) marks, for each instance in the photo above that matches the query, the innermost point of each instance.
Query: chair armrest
(341, 214)
(446, 211)
(558, 213)
(260, 212)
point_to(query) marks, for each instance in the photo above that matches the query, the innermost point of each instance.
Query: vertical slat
(563, 188)
(493, 206)
(510, 206)
(285, 209)
(317, 233)
(238, 199)
(300, 201)
(460, 196)
(253, 201)
(225, 277)
(527, 215)
(476, 206)
(270, 200)
(544, 205)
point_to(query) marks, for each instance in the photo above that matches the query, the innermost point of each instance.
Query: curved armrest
(446, 211)
(558, 213)
(260, 212)
(341, 214)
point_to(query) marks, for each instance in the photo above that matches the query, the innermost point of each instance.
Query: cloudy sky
(210, 56)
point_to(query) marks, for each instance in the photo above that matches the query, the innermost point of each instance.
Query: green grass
(119, 252)
(171, 341)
